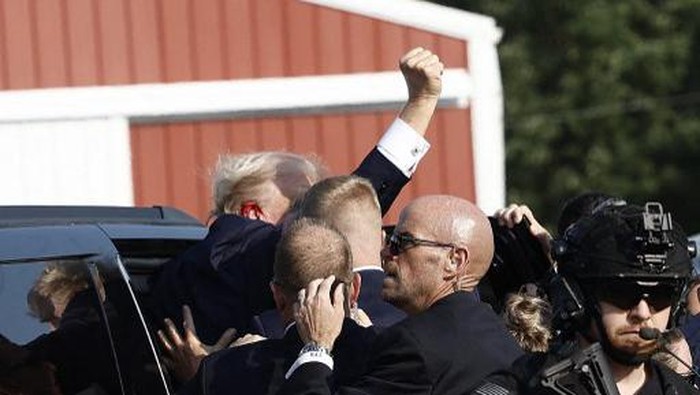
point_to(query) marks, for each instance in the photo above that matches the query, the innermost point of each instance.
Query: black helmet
(625, 242)
(617, 254)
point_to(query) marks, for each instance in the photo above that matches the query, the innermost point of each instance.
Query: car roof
(67, 230)
(14, 216)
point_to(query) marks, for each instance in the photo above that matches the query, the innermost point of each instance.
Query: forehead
(412, 221)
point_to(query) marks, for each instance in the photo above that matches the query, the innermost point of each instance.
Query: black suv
(73, 286)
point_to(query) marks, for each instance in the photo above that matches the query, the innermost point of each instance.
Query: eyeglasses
(626, 295)
(399, 243)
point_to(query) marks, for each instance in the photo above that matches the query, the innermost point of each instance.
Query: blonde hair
(328, 199)
(240, 178)
(55, 287)
(528, 319)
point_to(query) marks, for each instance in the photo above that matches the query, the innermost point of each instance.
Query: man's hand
(184, 354)
(422, 71)
(319, 319)
(513, 214)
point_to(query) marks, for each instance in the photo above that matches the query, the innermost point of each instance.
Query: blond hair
(528, 319)
(55, 287)
(333, 197)
(240, 178)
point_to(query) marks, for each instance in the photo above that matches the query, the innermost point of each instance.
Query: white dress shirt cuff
(403, 146)
(310, 356)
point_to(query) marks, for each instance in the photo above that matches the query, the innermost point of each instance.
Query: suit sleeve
(385, 177)
(390, 165)
(397, 367)
(309, 379)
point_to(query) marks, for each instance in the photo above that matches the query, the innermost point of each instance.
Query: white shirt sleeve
(310, 356)
(403, 146)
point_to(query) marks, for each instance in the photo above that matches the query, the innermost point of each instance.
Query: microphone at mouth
(663, 339)
(650, 334)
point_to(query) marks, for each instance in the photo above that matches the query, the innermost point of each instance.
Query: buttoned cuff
(403, 147)
(310, 356)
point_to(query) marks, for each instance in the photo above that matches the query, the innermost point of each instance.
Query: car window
(55, 339)
(17, 323)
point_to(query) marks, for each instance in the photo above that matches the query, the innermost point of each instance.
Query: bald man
(448, 343)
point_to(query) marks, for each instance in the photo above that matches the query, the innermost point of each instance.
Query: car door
(69, 322)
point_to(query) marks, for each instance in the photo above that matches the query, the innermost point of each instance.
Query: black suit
(447, 349)
(259, 368)
(225, 277)
(370, 300)
(382, 314)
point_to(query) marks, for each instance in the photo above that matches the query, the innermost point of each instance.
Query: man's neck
(629, 379)
(364, 257)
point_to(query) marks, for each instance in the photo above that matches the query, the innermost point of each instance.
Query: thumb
(226, 339)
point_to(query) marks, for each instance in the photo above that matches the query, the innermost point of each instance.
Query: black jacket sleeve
(386, 178)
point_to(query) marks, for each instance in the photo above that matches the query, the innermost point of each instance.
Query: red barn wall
(110, 42)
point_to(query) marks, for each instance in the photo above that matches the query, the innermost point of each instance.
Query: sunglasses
(398, 243)
(626, 295)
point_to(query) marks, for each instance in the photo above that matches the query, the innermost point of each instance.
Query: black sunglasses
(398, 243)
(626, 295)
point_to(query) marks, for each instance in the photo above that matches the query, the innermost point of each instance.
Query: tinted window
(54, 337)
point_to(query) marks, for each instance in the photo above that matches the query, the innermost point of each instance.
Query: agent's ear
(459, 259)
(278, 296)
(355, 287)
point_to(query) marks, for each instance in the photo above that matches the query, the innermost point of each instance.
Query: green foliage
(600, 95)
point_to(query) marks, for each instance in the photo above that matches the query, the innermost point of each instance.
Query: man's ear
(251, 210)
(459, 259)
(278, 296)
(355, 288)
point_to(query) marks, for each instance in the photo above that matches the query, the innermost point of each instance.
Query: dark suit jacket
(691, 331)
(269, 323)
(224, 278)
(381, 313)
(445, 350)
(259, 368)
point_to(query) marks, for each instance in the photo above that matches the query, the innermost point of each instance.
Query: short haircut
(323, 199)
(238, 178)
(311, 249)
(335, 198)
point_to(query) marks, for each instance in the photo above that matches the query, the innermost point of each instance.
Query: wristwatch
(312, 352)
(315, 349)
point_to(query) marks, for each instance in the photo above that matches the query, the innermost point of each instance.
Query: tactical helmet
(625, 242)
(615, 246)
